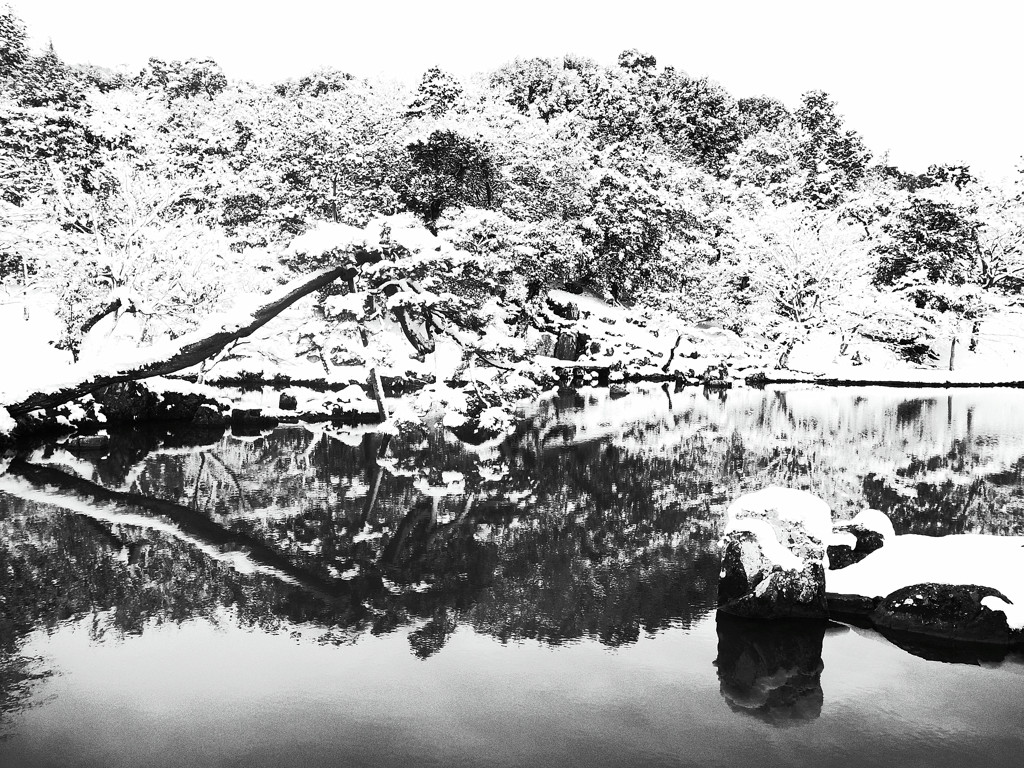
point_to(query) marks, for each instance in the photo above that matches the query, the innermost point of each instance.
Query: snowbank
(326, 237)
(7, 424)
(645, 343)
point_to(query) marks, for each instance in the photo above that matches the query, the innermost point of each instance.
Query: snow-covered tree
(834, 157)
(807, 269)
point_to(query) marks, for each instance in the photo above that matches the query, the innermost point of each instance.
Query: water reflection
(771, 670)
(597, 519)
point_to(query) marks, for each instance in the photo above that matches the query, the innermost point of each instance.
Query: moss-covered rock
(944, 611)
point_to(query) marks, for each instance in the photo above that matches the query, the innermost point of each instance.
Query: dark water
(312, 597)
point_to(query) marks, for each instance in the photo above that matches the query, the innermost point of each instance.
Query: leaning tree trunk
(188, 350)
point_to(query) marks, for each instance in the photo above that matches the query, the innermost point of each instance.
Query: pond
(329, 596)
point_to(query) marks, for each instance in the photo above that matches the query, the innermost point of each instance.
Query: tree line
(167, 192)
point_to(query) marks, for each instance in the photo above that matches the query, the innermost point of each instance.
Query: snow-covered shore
(959, 589)
(989, 561)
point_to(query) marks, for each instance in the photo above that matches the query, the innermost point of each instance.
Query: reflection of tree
(595, 518)
(18, 673)
(354, 560)
(19, 676)
(945, 494)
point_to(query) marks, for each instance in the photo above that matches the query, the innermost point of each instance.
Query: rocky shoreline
(944, 597)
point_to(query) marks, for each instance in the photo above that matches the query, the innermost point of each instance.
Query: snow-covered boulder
(938, 584)
(773, 561)
(854, 540)
(951, 612)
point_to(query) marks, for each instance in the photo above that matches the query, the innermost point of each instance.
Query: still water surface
(331, 597)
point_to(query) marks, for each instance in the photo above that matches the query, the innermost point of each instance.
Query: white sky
(927, 81)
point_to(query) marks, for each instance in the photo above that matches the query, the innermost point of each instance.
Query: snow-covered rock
(874, 520)
(853, 541)
(773, 563)
(961, 612)
(996, 562)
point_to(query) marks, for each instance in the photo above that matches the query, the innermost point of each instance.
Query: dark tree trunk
(190, 350)
(110, 308)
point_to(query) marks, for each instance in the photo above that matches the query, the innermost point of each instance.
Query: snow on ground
(643, 342)
(108, 359)
(326, 237)
(998, 358)
(988, 561)
(25, 345)
(7, 424)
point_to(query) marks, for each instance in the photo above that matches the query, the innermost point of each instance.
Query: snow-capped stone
(773, 564)
(851, 542)
(874, 520)
(780, 505)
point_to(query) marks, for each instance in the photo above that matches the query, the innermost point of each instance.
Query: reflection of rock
(946, 612)
(771, 670)
(773, 565)
(193, 435)
(87, 442)
(870, 529)
(252, 418)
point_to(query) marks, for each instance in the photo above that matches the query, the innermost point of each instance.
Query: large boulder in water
(864, 534)
(773, 564)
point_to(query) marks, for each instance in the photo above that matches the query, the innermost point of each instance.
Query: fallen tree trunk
(187, 351)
